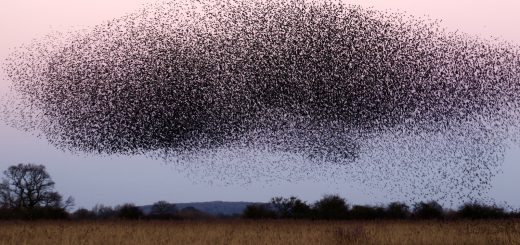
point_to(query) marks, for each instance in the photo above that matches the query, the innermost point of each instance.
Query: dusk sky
(112, 180)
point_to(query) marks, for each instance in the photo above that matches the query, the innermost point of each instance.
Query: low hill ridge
(213, 207)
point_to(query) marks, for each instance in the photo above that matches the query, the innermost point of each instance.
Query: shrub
(367, 212)
(129, 211)
(46, 213)
(291, 207)
(35, 213)
(428, 210)
(83, 213)
(331, 207)
(259, 211)
(163, 210)
(480, 211)
(397, 210)
(104, 212)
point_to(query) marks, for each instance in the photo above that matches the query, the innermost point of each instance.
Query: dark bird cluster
(388, 99)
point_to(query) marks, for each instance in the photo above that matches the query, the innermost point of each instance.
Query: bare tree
(30, 186)
(104, 212)
(163, 210)
(129, 211)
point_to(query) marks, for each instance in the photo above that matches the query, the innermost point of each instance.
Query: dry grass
(261, 232)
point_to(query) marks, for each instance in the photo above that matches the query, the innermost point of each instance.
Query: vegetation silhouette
(129, 211)
(334, 207)
(163, 210)
(27, 192)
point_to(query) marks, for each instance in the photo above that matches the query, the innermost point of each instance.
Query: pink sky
(23, 20)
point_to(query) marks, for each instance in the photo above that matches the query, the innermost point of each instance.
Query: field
(261, 232)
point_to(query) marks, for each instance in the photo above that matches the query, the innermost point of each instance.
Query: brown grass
(261, 232)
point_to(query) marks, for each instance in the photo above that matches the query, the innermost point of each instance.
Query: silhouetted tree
(480, 211)
(301, 210)
(367, 212)
(104, 212)
(83, 213)
(291, 207)
(43, 213)
(129, 211)
(26, 186)
(397, 210)
(428, 210)
(259, 211)
(335, 207)
(27, 192)
(163, 210)
(514, 214)
(331, 207)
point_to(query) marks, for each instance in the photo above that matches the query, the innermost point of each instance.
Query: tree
(129, 211)
(29, 186)
(475, 210)
(428, 210)
(367, 212)
(259, 211)
(397, 210)
(103, 212)
(83, 214)
(163, 210)
(331, 207)
(291, 207)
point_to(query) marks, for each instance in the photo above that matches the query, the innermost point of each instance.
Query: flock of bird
(290, 88)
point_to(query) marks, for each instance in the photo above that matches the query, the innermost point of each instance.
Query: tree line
(334, 207)
(27, 192)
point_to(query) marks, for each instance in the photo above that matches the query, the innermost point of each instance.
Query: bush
(428, 210)
(292, 208)
(104, 212)
(514, 214)
(259, 211)
(35, 213)
(397, 210)
(47, 213)
(480, 211)
(331, 207)
(163, 210)
(300, 210)
(129, 211)
(83, 214)
(367, 212)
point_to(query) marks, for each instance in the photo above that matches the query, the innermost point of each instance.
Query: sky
(113, 180)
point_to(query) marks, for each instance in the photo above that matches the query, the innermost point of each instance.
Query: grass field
(261, 232)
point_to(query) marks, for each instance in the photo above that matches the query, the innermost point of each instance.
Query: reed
(261, 232)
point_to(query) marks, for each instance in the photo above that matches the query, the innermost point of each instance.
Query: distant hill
(214, 208)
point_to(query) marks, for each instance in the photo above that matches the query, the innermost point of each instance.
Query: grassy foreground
(261, 232)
